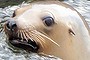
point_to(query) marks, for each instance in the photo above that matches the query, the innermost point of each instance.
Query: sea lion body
(68, 37)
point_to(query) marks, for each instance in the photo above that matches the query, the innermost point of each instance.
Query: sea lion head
(46, 27)
(35, 26)
(30, 26)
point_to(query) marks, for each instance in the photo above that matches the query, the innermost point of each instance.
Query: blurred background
(4, 3)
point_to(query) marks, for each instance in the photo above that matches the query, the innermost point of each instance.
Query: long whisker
(37, 38)
(24, 35)
(27, 30)
(36, 32)
(41, 40)
(29, 35)
(18, 32)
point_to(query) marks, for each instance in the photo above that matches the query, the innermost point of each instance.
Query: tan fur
(21, 10)
(71, 47)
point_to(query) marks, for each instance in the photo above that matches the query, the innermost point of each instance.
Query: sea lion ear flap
(71, 32)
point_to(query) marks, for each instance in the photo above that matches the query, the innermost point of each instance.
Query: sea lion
(53, 28)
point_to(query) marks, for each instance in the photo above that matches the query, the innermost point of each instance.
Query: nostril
(11, 25)
(14, 25)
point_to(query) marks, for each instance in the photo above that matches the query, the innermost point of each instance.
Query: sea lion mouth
(16, 39)
(29, 45)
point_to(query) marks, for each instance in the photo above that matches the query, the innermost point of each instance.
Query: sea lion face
(37, 26)
(48, 28)
(31, 30)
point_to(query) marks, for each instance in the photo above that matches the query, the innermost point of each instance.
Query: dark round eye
(48, 21)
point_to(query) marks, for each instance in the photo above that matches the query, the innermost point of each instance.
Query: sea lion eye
(48, 21)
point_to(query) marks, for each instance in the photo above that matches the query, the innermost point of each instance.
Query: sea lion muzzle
(16, 41)
(11, 25)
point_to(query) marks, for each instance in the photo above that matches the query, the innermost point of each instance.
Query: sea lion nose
(11, 25)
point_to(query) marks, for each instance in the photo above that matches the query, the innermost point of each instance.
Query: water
(82, 7)
(6, 53)
(76, 0)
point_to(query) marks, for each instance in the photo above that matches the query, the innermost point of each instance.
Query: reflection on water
(81, 6)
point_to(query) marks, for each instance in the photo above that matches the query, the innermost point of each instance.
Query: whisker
(38, 39)
(36, 32)
(18, 33)
(41, 40)
(24, 35)
(33, 36)
(21, 35)
(29, 35)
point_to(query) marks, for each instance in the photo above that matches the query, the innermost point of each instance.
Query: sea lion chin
(53, 28)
